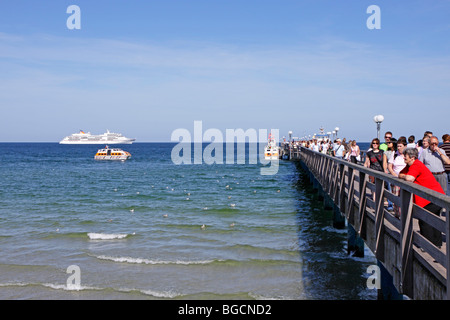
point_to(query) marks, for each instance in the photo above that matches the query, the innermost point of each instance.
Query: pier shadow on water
(329, 272)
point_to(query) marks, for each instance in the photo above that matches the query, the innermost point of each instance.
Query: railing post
(362, 204)
(379, 219)
(350, 196)
(342, 188)
(406, 232)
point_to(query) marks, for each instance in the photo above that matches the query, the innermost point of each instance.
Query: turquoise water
(135, 231)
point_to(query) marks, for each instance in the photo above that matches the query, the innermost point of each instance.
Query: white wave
(69, 287)
(106, 236)
(56, 286)
(154, 262)
(157, 294)
(261, 297)
(14, 284)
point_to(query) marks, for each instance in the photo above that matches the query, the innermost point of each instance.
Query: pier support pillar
(388, 290)
(338, 218)
(327, 202)
(320, 194)
(355, 245)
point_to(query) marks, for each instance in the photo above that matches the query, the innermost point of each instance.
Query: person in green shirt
(387, 138)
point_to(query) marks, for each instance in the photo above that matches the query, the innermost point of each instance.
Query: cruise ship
(88, 138)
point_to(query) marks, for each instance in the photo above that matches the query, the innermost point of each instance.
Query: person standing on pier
(338, 149)
(415, 171)
(434, 158)
(376, 159)
(315, 146)
(425, 144)
(396, 163)
(446, 147)
(354, 152)
(411, 142)
(387, 138)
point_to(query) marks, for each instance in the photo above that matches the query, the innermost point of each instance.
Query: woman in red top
(415, 171)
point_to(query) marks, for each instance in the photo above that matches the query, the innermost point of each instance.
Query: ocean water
(149, 229)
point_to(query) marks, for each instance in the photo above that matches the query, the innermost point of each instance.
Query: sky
(148, 68)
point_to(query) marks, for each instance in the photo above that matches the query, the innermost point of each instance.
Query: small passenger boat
(271, 151)
(112, 154)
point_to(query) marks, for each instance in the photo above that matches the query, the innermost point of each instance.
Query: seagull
(232, 225)
(165, 215)
(203, 227)
(229, 197)
(233, 205)
(132, 210)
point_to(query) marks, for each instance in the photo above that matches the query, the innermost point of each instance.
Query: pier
(409, 263)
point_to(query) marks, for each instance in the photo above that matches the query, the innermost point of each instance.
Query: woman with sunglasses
(375, 158)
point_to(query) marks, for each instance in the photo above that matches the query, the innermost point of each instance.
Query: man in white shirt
(324, 147)
(338, 149)
(434, 159)
(315, 146)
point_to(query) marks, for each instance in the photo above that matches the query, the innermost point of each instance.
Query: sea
(75, 228)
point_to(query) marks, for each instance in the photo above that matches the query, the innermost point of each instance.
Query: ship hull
(97, 142)
(112, 158)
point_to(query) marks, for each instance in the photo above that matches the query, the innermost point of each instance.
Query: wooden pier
(416, 267)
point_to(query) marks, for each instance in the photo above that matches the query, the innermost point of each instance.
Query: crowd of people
(425, 162)
(389, 156)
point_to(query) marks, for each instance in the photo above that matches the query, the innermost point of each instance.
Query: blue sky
(146, 68)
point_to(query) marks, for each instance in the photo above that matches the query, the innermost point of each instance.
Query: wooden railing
(419, 269)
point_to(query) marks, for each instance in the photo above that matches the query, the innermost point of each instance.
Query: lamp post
(336, 129)
(334, 135)
(378, 120)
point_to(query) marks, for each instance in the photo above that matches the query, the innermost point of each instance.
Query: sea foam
(153, 262)
(106, 236)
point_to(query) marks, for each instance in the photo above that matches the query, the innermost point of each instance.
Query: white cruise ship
(88, 138)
